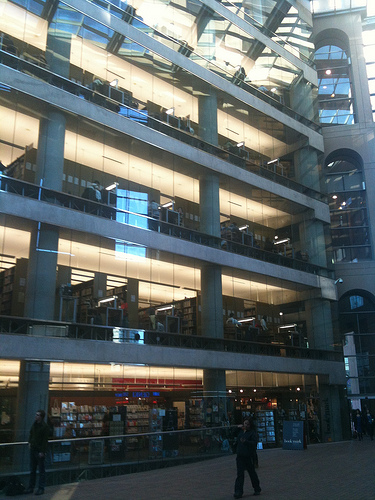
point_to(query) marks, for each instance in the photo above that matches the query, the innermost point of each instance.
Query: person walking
(246, 455)
(38, 442)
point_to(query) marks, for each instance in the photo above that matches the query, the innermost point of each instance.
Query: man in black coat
(38, 442)
(246, 456)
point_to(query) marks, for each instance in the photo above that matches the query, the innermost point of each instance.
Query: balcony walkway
(329, 471)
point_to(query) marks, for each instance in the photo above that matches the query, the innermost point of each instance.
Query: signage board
(293, 435)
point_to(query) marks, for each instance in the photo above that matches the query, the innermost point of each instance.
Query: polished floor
(332, 471)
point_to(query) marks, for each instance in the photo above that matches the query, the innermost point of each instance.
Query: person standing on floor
(38, 442)
(369, 424)
(358, 425)
(246, 455)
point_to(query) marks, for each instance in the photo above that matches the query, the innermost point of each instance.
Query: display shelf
(138, 419)
(155, 440)
(195, 413)
(189, 315)
(85, 420)
(84, 294)
(12, 289)
(266, 427)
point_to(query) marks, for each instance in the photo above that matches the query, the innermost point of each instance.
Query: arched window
(347, 203)
(334, 91)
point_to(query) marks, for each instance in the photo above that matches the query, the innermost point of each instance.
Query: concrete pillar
(32, 395)
(41, 273)
(50, 156)
(319, 324)
(132, 298)
(207, 115)
(209, 204)
(215, 392)
(211, 301)
(362, 101)
(41, 280)
(100, 286)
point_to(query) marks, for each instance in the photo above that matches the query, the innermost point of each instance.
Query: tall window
(357, 316)
(335, 96)
(347, 202)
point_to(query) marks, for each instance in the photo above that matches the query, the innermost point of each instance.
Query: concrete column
(41, 273)
(32, 395)
(211, 301)
(132, 298)
(209, 204)
(100, 286)
(207, 115)
(215, 391)
(362, 101)
(319, 324)
(41, 281)
(50, 156)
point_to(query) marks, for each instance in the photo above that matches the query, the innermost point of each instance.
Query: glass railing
(270, 344)
(244, 247)
(78, 458)
(119, 101)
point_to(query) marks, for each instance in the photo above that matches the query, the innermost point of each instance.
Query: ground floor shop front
(92, 400)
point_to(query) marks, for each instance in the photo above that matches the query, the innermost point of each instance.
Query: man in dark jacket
(38, 442)
(246, 454)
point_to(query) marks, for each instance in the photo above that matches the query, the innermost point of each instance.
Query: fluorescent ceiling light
(168, 204)
(169, 111)
(285, 240)
(112, 186)
(109, 299)
(166, 308)
(245, 320)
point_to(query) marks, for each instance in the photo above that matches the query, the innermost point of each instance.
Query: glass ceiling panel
(71, 21)
(281, 24)
(34, 6)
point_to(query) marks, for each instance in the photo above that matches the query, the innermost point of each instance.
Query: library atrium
(164, 232)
